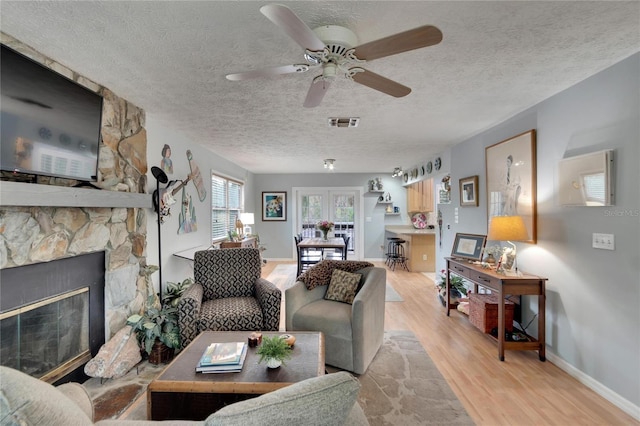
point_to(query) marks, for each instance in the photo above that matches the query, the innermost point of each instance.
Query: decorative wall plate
(438, 163)
(421, 170)
(419, 220)
(429, 167)
(44, 133)
(405, 176)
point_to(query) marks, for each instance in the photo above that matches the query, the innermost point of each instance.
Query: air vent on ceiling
(344, 121)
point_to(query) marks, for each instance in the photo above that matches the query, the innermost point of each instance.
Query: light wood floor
(519, 391)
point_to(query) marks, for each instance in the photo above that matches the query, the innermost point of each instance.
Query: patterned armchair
(228, 294)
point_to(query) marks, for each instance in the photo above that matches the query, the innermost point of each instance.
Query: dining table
(321, 243)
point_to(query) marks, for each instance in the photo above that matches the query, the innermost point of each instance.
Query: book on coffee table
(223, 358)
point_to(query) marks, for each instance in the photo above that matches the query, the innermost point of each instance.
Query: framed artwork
(511, 179)
(469, 191)
(468, 246)
(274, 206)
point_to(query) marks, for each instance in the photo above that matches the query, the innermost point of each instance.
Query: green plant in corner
(273, 348)
(156, 323)
(174, 291)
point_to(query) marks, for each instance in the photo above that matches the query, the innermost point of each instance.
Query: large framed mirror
(586, 180)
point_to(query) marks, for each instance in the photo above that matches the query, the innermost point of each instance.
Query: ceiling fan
(333, 48)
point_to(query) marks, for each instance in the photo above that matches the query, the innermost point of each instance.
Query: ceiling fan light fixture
(344, 121)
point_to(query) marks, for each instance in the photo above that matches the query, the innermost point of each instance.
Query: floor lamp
(161, 177)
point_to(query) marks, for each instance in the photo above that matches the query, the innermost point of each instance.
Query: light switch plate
(603, 241)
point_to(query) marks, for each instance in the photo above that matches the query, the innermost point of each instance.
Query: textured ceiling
(170, 58)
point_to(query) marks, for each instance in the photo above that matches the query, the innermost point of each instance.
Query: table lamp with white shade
(247, 219)
(508, 228)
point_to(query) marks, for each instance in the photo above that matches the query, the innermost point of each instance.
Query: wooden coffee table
(181, 393)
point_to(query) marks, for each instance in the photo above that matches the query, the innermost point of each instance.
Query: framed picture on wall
(469, 191)
(511, 179)
(274, 206)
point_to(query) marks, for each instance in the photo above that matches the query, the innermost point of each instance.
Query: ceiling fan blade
(416, 38)
(284, 17)
(268, 72)
(381, 84)
(316, 92)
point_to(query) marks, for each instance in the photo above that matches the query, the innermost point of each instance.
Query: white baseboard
(611, 396)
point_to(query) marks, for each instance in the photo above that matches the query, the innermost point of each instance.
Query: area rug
(402, 386)
(284, 276)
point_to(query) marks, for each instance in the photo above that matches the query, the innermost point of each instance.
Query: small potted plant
(458, 288)
(157, 330)
(274, 351)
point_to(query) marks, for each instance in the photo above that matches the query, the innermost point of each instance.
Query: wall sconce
(508, 228)
(328, 163)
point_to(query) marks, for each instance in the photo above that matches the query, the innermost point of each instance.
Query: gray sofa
(325, 400)
(353, 332)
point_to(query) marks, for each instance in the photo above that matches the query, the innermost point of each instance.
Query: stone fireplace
(51, 220)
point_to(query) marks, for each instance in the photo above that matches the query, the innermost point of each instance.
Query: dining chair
(338, 254)
(306, 257)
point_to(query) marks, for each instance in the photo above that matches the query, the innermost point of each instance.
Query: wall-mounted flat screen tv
(50, 124)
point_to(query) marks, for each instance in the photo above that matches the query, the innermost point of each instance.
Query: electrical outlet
(603, 241)
(424, 257)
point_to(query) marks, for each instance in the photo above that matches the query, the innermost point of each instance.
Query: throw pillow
(320, 274)
(343, 286)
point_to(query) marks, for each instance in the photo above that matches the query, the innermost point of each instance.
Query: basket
(483, 312)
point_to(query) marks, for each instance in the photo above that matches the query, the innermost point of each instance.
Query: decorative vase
(490, 259)
(325, 232)
(273, 363)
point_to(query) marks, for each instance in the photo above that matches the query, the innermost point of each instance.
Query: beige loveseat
(325, 400)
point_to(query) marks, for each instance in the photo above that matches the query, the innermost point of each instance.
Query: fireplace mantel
(28, 194)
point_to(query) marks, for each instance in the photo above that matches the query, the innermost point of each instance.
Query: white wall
(175, 269)
(593, 295)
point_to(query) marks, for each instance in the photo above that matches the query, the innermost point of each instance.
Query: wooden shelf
(392, 214)
(385, 202)
(32, 194)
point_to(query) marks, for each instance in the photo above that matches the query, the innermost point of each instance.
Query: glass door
(338, 205)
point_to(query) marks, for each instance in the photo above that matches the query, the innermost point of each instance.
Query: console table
(249, 242)
(501, 286)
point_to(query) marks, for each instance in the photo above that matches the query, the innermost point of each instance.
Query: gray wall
(592, 295)
(173, 268)
(278, 236)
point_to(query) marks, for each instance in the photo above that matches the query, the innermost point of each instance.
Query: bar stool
(390, 249)
(397, 254)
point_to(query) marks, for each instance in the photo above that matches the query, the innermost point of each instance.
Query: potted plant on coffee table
(274, 351)
(157, 330)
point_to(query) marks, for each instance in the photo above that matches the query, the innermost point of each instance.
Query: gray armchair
(228, 294)
(353, 333)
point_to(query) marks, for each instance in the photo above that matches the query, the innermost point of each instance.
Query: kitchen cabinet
(420, 196)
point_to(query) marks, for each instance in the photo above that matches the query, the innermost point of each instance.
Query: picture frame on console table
(274, 206)
(511, 180)
(468, 246)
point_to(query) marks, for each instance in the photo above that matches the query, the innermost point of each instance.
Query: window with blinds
(227, 202)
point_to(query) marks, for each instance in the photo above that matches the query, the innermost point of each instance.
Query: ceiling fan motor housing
(337, 39)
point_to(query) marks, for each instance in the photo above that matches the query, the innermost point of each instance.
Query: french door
(338, 205)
